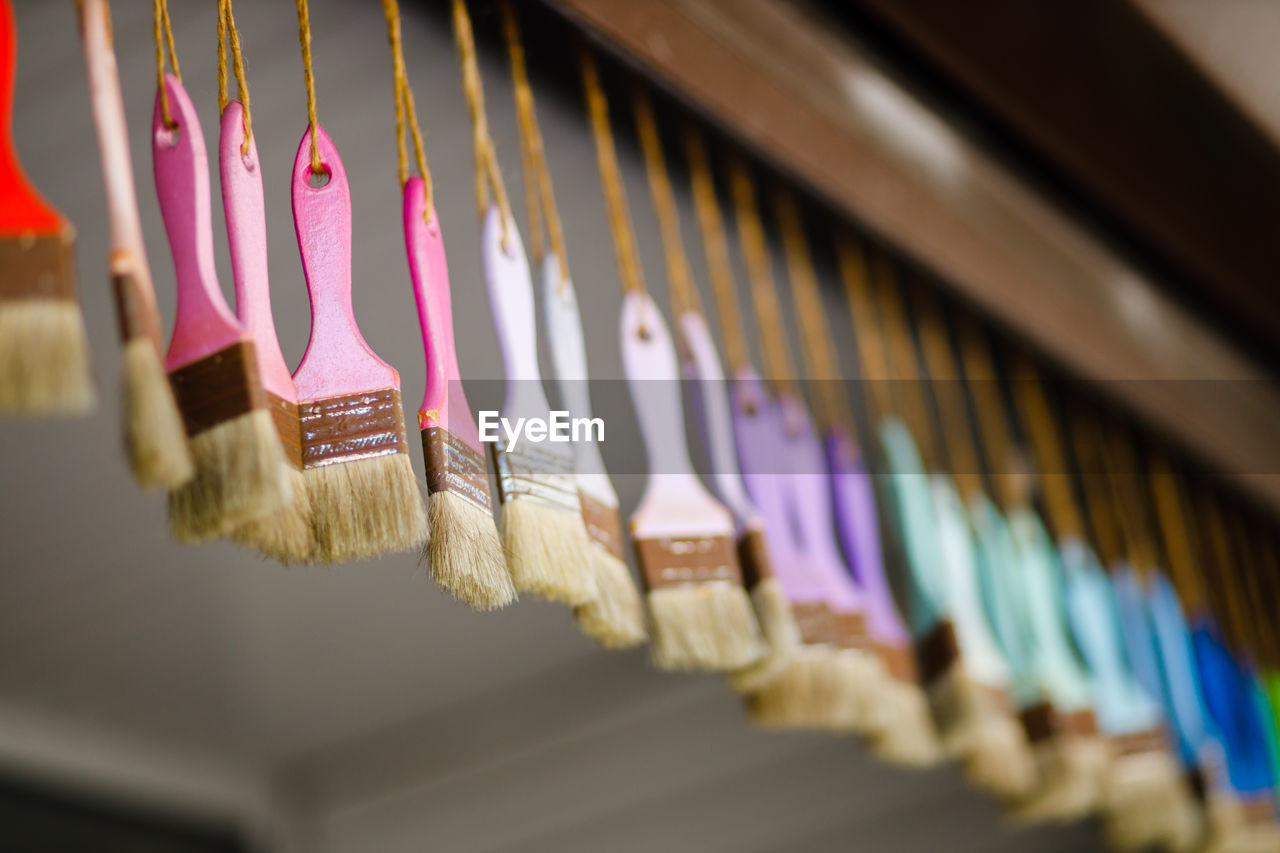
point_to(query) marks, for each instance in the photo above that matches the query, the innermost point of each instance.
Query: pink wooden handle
(443, 404)
(337, 360)
(246, 217)
(203, 323)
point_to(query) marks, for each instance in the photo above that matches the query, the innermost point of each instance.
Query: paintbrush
(285, 535)
(44, 354)
(364, 497)
(1144, 801)
(858, 672)
(543, 534)
(761, 546)
(700, 614)
(965, 673)
(700, 363)
(240, 470)
(154, 440)
(901, 728)
(464, 553)
(615, 617)
(1057, 709)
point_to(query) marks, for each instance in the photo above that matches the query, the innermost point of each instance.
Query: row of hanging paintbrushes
(1060, 663)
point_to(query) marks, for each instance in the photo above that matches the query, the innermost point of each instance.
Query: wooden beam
(805, 100)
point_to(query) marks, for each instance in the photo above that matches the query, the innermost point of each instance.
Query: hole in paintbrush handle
(168, 135)
(317, 180)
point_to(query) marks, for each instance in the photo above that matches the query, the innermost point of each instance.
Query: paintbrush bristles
(705, 626)
(1148, 804)
(804, 695)
(781, 636)
(998, 759)
(547, 550)
(903, 733)
(286, 535)
(465, 555)
(240, 476)
(615, 618)
(44, 358)
(366, 508)
(154, 438)
(1070, 773)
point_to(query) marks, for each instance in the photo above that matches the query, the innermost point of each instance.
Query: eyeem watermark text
(559, 427)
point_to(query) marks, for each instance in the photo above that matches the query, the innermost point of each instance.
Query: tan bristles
(998, 759)
(615, 618)
(707, 626)
(465, 554)
(44, 358)
(781, 637)
(240, 476)
(547, 550)
(903, 733)
(1070, 774)
(154, 439)
(287, 535)
(803, 695)
(858, 677)
(1148, 803)
(961, 711)
(1230, 830)
(366, 508)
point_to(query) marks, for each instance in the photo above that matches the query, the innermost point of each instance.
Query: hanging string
(1222, 563)
(832, 408)
(715, 248)
(227, 24)
(1130, 502)
(684, 296)
(308, 75)
(993, 427)
(958, 441)
(1175, 530)
(908, 389)
(488, 175)
(624, 238)
(163, 31)
(406, 112)
(862, 315)
(1098, 471)
(779, 369)
(537, 176)
(1032, 401)
(1246, 586)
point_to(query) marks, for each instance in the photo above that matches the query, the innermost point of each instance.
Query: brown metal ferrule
(136, 314)
(38, 266)
(455, 467)
(352, 427)
(753, 557)
(1041, 722)
(217, 388)
(899, 662)
(1140, 743)
(937, 652)
(686, 560)
(813, 619)
(538, 472)
(603, 525)
(850, 628)
(288, 426)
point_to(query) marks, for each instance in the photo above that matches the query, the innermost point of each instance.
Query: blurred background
(1099, 178)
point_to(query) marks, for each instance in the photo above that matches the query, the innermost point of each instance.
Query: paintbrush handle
(857, 525)
(569, 363)
(337, 359)
(203, 323)
(714, 417)
(246, 217)
(22, 210)
(443, 403)
(649, 361)
(506, 273)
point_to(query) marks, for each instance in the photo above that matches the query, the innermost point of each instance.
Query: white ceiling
(358, 702)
